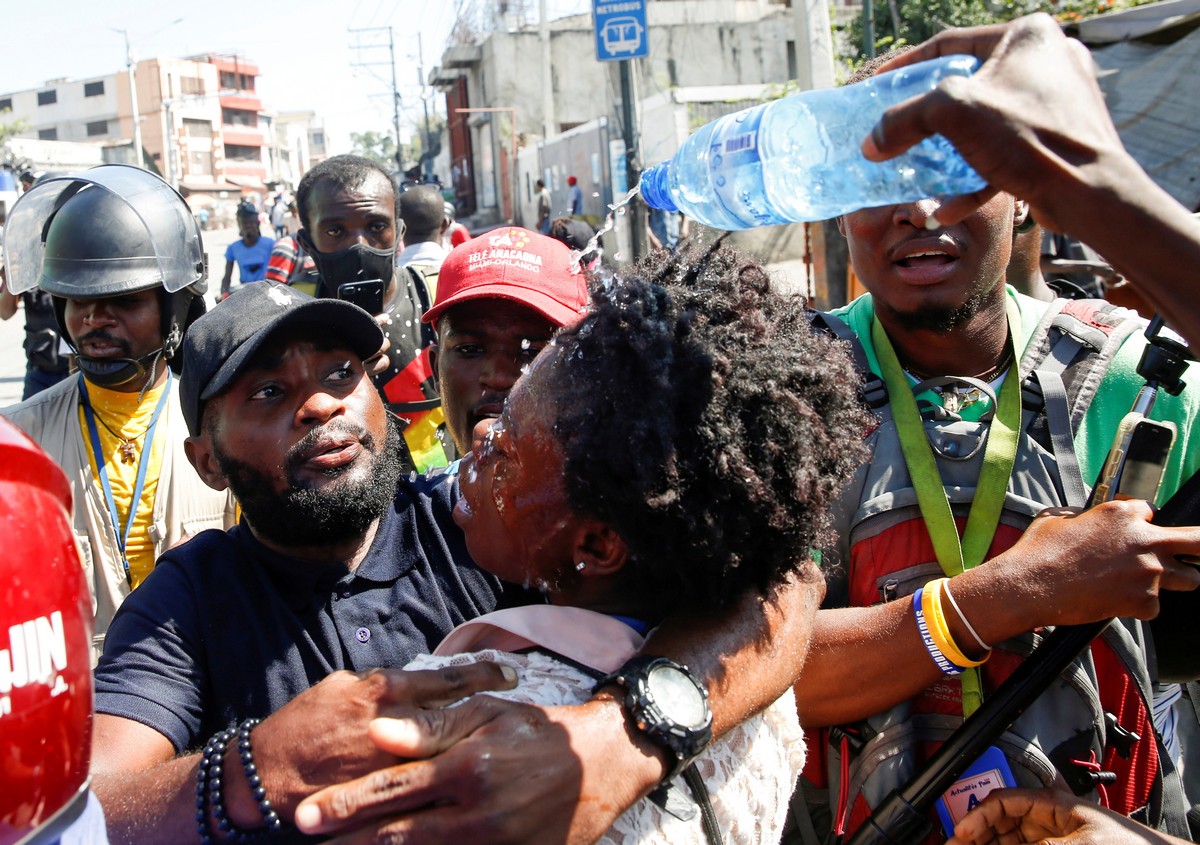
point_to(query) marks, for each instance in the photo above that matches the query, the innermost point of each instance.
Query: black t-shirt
(225, 629)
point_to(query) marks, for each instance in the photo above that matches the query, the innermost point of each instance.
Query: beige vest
(183, 504)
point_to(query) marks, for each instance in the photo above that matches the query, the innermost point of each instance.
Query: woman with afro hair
(676, 449)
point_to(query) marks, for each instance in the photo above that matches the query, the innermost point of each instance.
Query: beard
(323, 516)
(943, 319)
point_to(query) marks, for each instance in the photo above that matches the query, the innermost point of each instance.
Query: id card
(989, 772)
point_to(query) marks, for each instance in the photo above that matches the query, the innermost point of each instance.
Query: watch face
(677, 696)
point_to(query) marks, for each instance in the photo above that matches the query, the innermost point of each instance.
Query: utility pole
(868, 28)
(138, 158)
(548, 121)
(391, 45)
(428, 145)
(633, 167)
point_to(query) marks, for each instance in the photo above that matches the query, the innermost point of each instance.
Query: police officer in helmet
(120, 254)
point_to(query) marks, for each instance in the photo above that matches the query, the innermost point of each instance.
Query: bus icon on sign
(622, 35)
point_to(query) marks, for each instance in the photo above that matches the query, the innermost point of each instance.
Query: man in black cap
(341, 562)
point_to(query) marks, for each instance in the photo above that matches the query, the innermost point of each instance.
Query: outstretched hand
(1031, 120)
(1014, 816)
(321, 736)
(1108, 561)
(497, 771)
(1074, 567)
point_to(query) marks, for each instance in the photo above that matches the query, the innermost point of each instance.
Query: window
(318, 138)
(241, 152)
(239, 117)
(191, 84)
(47, 98)
(97, 127)
(93, 89)
(48, 134)
(6, 104)
(194, 128)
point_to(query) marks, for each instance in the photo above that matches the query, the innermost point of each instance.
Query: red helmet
(45, 647)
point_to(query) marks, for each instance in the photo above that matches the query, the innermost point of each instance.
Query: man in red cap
(500, 297)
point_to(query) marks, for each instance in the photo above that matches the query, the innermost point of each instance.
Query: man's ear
(305, 241)
(200, 452)
(1020, 213)
(434, 355)
(600, 548)
(841, 224)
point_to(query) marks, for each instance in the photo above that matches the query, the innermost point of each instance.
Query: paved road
(12, 332)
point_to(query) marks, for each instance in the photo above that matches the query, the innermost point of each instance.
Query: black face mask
(114, 372)
(358, 263)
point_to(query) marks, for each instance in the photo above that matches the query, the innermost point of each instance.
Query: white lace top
(749, 772)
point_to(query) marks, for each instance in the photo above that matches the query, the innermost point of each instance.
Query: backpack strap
(874, 392)
(1075, 342)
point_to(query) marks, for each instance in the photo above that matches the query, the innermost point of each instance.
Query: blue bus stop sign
(620, 30)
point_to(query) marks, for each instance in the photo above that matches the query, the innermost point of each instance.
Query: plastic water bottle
(798, 158)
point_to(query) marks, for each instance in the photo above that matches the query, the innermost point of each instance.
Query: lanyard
(956, 555)
(143, 464)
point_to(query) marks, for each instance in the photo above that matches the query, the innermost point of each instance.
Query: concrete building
(203, 126)
(495, 100)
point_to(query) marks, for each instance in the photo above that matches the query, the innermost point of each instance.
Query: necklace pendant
(128, 453)
(951, 400)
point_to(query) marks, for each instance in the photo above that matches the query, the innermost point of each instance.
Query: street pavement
(12, 332)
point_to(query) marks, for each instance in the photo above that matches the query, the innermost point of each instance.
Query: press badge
(989, 772)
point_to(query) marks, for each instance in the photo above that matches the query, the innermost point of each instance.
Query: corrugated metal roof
(1151, 85)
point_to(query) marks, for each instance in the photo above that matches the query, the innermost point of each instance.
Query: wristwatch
(667, 704)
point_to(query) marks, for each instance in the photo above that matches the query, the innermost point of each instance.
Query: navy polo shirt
(225, 629)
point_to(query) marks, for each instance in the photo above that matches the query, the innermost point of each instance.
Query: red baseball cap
(514, 264)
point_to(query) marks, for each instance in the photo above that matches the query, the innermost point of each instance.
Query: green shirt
(1112, 401)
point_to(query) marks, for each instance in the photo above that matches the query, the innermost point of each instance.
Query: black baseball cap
(219, 345)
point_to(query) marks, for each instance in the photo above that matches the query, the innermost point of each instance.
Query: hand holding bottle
(1032, 120)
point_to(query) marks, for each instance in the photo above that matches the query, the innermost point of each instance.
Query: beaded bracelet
(210, 790)
(940, 659)
(271, 821)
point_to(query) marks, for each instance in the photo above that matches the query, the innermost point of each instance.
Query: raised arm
(1032, 121)
(1102, 563)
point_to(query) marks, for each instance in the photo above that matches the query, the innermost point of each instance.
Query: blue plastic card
(989, 772)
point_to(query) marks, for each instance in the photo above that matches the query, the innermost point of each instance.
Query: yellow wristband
(931, 604)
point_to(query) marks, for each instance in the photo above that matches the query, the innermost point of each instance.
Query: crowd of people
(527, 549)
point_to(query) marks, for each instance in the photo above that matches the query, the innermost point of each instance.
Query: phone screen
(1146, 454)
(366, 295)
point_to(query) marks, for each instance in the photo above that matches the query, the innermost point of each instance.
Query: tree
(11, 130)
(922, 19)
(377, 146)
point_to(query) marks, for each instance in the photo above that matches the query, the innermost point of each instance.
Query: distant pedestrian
(574, 197)
(543, 208)
(279, 217)
(251, 253)
(456, 233)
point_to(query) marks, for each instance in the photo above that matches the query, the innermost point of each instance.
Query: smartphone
(366, 295)
(1135, 466)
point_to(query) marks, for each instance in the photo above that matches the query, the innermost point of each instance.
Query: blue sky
(302, 48)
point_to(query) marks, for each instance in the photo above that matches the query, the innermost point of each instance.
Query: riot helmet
(45, 649)
(104, 232)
